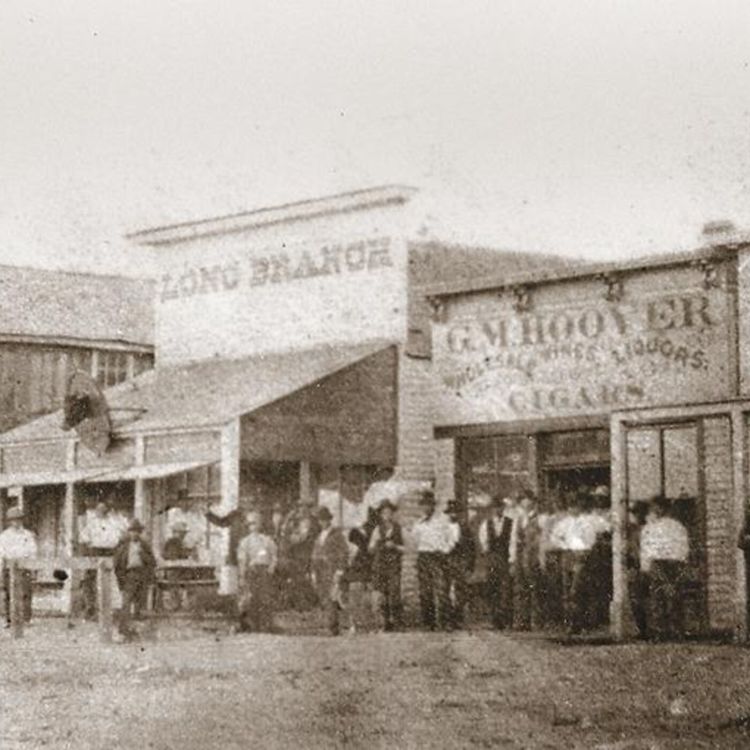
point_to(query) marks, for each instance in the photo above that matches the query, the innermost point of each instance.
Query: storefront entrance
(695, 458)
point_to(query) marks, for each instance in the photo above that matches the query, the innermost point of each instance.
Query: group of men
(531, 568)
(343, 572)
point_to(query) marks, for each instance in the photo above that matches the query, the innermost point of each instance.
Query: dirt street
(196, 689)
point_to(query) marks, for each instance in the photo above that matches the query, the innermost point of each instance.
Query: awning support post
(104, 599)
(15, 600)
(70, 532)
(139, 500)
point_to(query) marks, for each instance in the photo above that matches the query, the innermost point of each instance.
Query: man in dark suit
(330, 558)
(134, 565)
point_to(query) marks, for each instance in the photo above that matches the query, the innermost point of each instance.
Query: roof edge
(357, 200)
(580, 270)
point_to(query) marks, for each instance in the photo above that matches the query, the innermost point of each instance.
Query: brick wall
(416, 453)
(720, 525)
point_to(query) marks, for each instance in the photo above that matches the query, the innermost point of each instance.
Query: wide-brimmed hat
(324, 514)
(135, 525)
(453, 506)
(14, 514)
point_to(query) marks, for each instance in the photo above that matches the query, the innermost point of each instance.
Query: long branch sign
(236, 300)
(581, 354)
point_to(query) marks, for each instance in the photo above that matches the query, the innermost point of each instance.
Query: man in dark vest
(494, 539)
(459, 563)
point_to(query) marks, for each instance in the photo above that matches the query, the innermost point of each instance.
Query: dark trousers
(665, 614)
(527, 597)
(433, 593)
(389, 586)
(458, 590)
(24, 585)
(257, 600)
(575, 591)
(638, 585)
(552, 613)
(500, 593)
(133, 587)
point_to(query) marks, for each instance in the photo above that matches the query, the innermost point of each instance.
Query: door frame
(737, 411)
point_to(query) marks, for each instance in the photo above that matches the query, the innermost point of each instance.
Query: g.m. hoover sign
(580, 355)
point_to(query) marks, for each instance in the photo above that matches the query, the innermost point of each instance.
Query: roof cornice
(358, 200)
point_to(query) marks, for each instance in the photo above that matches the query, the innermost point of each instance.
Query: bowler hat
(14, 514)
(324, 514)
(387, 503)
(427, 498)
(179, 526)
(135, 525)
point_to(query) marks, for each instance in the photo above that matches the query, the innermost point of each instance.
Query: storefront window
(493, 466)
(187, 498)
(342, 490)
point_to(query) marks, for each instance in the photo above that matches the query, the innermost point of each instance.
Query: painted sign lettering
(278, 267)
(580, 356)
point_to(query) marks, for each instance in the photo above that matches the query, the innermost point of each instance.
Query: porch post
(140, 511)
(619, 609)
(739, 472)
(70, 530)
(230, 495)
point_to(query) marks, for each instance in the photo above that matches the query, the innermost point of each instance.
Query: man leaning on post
(17, 542)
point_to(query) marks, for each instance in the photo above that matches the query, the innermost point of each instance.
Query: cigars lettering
(587, 357)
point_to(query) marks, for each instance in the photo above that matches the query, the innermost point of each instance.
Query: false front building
(626, 380)
(292, 365)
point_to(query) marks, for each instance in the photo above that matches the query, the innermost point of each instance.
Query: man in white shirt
(434, 538)
(17, 542)
(665, 547)
(101, 531)
(256, 564)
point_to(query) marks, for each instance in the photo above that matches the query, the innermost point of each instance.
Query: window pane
(480, 477)
(681, 462)
(644, 464)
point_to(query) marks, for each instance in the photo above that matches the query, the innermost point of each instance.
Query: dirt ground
(189, 688)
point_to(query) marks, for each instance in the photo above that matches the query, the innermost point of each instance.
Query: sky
(597, 128)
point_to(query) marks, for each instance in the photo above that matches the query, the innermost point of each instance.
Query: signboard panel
(573, 353)
(241, 299)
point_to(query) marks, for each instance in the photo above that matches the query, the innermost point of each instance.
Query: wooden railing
(104, 578)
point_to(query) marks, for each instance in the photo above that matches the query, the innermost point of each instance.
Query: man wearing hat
(434, 539)
(495, 534)
(17, 542)
(387, 548)
(175, 547)
(330, 556)
(134, 565)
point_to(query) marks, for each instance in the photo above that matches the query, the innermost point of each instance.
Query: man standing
(256, 564)
(387, 548)
(495, 539)
(102, 530)
(665, 548)
(134, 565)
(459, 564)
(330, 556)
(434, 538)
(17, 542)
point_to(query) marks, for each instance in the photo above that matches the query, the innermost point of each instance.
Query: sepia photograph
(374, 375)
